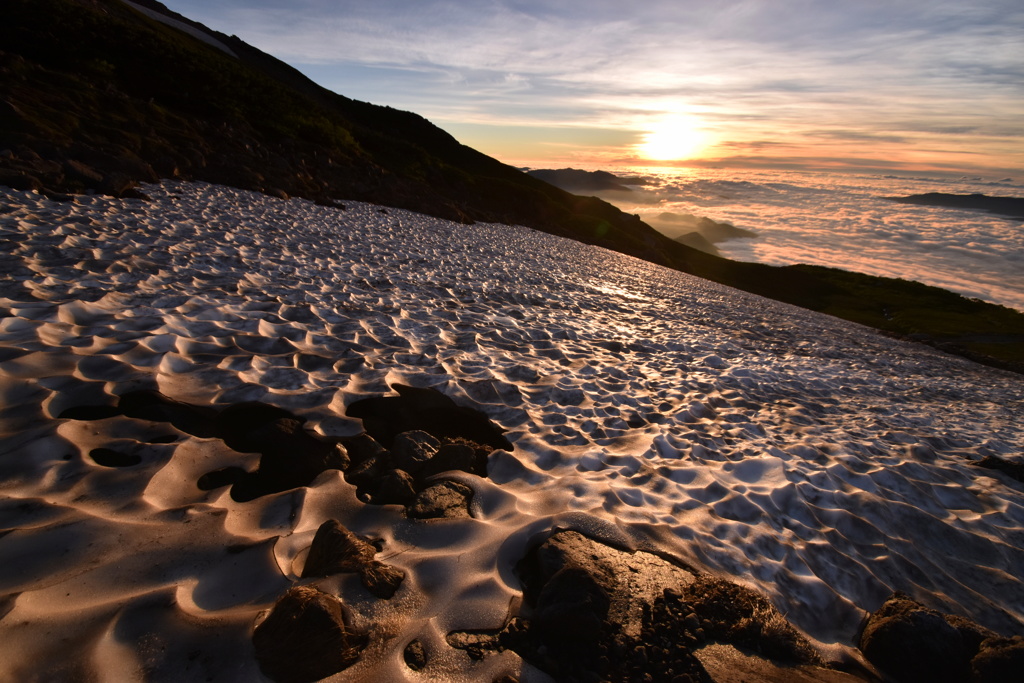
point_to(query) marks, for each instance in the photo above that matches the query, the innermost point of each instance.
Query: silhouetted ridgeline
(576, 180)
(97, 95)
(1004, 206)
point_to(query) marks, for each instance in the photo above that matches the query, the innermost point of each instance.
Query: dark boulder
(337, 550)
(412, 450)
(393, 487)
(443, 499)
(455, 456)
(910, 642)
(592, 614)
(382, 580)
(731, 613)
(362, 447)
(305, 638)
(414, 655)
(999, 660)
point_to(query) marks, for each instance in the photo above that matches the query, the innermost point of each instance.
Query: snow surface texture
(812, 459)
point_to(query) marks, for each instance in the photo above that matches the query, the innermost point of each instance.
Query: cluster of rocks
(593, 612)
(409, 439)
(590, 611)
(909, 642)
(401, 475)
(306, 637)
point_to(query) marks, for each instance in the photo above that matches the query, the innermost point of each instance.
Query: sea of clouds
(844, 221)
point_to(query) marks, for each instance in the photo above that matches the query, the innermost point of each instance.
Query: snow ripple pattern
(815, 460)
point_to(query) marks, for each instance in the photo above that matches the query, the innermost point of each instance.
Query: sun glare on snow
(672, 140)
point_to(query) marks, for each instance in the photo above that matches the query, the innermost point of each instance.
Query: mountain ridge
(1012, 207)
(105, 97)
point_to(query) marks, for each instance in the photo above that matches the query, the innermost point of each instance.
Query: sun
(674, 139)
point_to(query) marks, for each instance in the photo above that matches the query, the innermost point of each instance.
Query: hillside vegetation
(97, 96)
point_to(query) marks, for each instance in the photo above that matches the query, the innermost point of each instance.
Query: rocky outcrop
(305, 638)
(999, 660)
(337, 550)
(911, 642)
(424, 431)
(593, 612)
(443, 499)
(415, 655)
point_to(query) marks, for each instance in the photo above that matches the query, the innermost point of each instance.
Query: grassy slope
(93, 83)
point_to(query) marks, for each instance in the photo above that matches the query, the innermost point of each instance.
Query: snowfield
(812, 459)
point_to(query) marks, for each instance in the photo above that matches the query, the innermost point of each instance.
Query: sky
(862, 85)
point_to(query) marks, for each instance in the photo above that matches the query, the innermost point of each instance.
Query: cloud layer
(843, 221)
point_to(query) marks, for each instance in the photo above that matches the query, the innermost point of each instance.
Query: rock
(999, 660)
(599, 613)
(415, 656)
(305, 638)
(443, 499)
(573, 606)
(366, 473)
(593, 605)
(20, 180)
(337, 550)
(83, 173)
(734, 614)
(971, 633)
(910, 642)
(394, 487)
(363, 447)
(411, 450)
(453, 456)
(116, 184)
(382, 580)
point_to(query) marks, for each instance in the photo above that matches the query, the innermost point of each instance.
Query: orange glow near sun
(674, 139)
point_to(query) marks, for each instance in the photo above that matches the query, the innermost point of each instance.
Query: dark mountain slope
(96, 95)
(98, 89)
